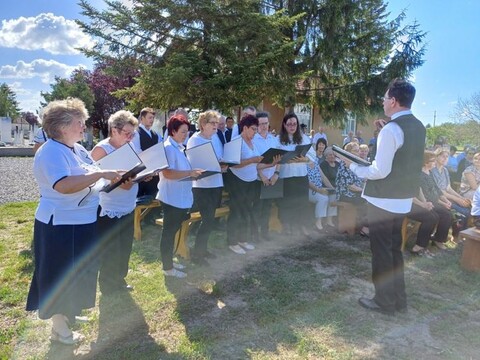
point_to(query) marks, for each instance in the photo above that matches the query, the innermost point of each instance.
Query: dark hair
(402, 91)
(247, 121)
(146, 111)
(263, 114)
(297, 135)
(175, 122)
(229, 117)
(323, 141)
(453, 148)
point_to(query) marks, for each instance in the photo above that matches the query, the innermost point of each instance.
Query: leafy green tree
(347, 52)
(204, 54)
(76, 86)
(8, 102)
(336, 54)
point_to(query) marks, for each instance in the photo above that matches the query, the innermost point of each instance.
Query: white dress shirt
(390, 139)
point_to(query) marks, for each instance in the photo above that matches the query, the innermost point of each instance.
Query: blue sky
(38, 37)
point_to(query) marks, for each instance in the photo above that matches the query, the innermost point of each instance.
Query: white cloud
(46, 70)
(47, 32)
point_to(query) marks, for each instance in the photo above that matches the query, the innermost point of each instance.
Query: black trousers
(428, 220)
(387, 258)
(172, 220)
(148, 187)
(444, 222)
(291, 210)
(241, 218)
(261, 210)
(205, 200)
(116, 239)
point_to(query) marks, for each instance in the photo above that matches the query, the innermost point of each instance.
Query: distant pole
(434, 117)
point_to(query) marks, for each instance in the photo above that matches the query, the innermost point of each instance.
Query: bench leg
(137, 228)
(181, 241)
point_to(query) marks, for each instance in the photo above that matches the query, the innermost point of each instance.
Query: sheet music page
(232, 151)
(203, 157)
(154, 159)
(124, 158)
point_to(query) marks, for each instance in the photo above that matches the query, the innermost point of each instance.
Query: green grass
(296, 300)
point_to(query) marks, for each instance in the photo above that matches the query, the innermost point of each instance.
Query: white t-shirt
(476, 203)
(263, 144)
(53, 162)
(40, 136)
(174, 192)
(212, 181)
(119, 202)
(294, 169)
(247, 173)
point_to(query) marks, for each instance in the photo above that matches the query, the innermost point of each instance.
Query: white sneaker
(237, 249)
(175, 273)
(178, 266)
(246, 245)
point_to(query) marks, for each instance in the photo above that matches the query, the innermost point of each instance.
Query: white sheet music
(154, 159)
(124, 158)
(203, 157)
(232, 151)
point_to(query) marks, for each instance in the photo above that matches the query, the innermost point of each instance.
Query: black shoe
(370, 304)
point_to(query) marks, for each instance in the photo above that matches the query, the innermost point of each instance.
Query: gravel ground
(17, 181)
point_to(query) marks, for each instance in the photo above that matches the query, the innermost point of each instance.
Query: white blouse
(119, 202)
(212, 181)
(174, 192)
(53, 162)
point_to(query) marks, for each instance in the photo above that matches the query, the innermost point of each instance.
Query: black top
(145, 140)
(429, 188)
(330, 171)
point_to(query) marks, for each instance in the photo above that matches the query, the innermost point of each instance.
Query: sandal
(423, 253)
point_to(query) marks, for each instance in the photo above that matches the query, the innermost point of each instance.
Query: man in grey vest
(393, 180)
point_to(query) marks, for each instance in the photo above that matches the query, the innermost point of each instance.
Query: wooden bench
(140, 212)
(471, 249)
(409, 227)
(347, 217)
(181, 238)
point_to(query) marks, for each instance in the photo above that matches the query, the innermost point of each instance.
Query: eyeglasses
(128, 134)
(254, 128)
(290, 124)
(213, 122)
(386, 98)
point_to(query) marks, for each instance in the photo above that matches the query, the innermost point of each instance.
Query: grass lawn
(288, 299)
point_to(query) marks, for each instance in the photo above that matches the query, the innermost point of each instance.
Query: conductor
(393, 180)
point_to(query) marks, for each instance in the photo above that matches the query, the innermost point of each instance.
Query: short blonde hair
(121, 118)
(59, 114)
(351, 145)
(206, 116)
(364, 146)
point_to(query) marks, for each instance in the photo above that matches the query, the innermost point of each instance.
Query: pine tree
(8, 102)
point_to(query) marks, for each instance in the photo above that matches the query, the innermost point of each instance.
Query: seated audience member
(330, 167)
(476, 208)
(320, 147)
(433, 194)
(465, 161)
(115, 217)
(470, 178)
(349, 188)
(423, 212)
(320, 196)
(452, 164)
(442, 178)
(363, 151)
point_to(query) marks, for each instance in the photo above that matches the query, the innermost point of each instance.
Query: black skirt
(66, 267)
